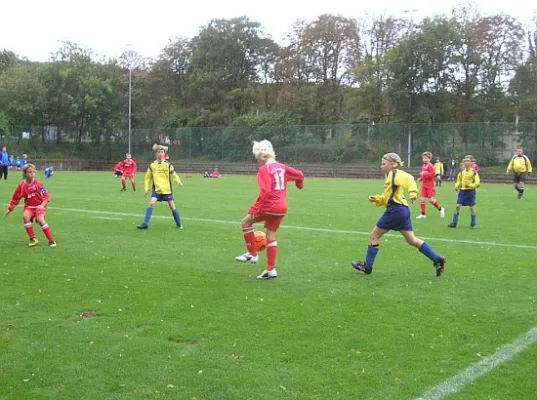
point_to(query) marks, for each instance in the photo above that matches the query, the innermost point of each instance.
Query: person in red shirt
(215, 174)
(270, 206)
(475, 167)
(36, 199)
(118, 169)
(129, 171)
(426, 178)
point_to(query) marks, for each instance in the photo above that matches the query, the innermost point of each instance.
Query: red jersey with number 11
(272, 179)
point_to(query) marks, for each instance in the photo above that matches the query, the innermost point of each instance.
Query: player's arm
(45, 197)
(412, 188)
(263, 180)
(147, 180)
(17, 196)
(476, 182)
(458, 182)
(528, 165)
(175, 177)
(294, 175)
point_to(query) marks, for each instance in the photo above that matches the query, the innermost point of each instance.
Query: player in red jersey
(270, 206)
(129, 171)
(36, 199)
(426, 178)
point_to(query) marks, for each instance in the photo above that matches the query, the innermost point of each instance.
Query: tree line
(458, 68)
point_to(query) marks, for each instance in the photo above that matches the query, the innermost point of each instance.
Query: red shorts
(427, 192)
(34, 212)
(127, 175)
(272, 222)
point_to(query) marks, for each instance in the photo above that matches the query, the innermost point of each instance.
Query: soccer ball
(260, 240)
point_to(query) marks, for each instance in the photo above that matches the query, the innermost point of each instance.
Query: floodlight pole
(409, 155)
(130, 103)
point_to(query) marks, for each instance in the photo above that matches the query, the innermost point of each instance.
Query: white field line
(470, 374)
(304, 228)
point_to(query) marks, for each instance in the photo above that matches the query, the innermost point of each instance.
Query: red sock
(29, 229)
(272, 250)
(422, 206)
(47, 232)
(437, 205)
(249, 239)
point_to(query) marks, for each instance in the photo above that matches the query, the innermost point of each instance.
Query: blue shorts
(162, 197)
(395, 218)
(466, 198)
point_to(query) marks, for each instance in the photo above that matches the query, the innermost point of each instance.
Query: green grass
(118, 313)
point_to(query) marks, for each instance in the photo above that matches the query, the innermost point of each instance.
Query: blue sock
(455, 218)
(148, 213)
(372, 252)
(176, 217)
(428, 252)
(473, 220)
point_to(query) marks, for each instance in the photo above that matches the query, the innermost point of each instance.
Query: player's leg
(423, 204)
(521, 185)
(437, 205)
(455, 221)
(123, 183)
(148, 213)
(473, 217)
(175, 213)
(133, 184)
(372, 250)
(272, 224)
(249, 239)
(516, 184)
(27, 216)
(426, 250)
(40, 218)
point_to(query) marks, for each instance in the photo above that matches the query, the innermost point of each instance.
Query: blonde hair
(393, 158)
(471, 157)
(25, 168)
(428, 154)
(263, 149)
(160, 147)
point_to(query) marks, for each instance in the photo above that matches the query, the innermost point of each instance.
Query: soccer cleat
(473, 226)
(33, 242)
(439, 265)
(123, 190)
(519, 196)
(361, 266)
(421, 216)
(134, 189)
(52, 244)
(266, 274)
(442, 212)
(179, 226)
(247, 257)
(452, 225)
(142, 226)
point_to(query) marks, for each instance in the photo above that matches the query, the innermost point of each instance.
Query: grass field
(117, 313)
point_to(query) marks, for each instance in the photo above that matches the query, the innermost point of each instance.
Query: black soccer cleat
(142, 226)
(439, 265)
(452, 225)
(361, 266)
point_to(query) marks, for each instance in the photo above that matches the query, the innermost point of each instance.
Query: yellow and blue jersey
(394, 188)
(467, 179)
(438, 168)
(159, 177)
(519, 164)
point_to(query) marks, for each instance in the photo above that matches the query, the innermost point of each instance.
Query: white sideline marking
(110, 218)
(470, 374)
(305, 228)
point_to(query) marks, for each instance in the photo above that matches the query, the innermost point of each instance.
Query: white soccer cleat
(442, 212)
(266, 274)
(247, 257)
(421, 216)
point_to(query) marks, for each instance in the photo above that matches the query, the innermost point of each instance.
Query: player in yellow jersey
(521, 166)
(159, 178)
(467, 181)
(438, 171)
(397, 215)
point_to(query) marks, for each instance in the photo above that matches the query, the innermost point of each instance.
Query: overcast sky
(32, 28)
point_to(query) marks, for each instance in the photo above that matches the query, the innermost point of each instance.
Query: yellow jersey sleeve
(148, 179)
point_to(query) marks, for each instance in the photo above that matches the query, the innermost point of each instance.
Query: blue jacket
(4, 161)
